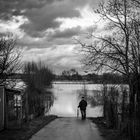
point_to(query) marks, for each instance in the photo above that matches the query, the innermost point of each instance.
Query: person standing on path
(82, 105)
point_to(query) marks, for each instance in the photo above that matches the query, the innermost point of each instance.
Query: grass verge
(27, 130)
(107, 133)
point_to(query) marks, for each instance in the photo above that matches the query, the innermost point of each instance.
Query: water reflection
(67, 97)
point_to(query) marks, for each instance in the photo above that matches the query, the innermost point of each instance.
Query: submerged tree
(119, 49)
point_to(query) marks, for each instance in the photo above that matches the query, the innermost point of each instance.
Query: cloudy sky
(46, 28)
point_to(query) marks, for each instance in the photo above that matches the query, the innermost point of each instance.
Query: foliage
(108, 78)
(115, 103)
(71, 74)
(37, 78)
(111, 106)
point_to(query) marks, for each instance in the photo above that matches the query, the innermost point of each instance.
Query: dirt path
(68, 129)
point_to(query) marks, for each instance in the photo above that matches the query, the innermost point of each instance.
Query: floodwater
(68, 95)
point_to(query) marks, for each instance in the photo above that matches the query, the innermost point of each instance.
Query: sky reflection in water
(67, 99)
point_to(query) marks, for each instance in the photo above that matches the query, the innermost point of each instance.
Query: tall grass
(115, 105)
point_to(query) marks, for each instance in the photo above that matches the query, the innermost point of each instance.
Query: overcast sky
(46, 28)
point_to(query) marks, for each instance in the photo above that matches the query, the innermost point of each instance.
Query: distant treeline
(108, 78)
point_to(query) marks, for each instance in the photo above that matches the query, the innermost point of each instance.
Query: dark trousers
(83, 113)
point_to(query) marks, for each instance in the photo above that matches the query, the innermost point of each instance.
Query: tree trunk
(26, 107)
(138, 109)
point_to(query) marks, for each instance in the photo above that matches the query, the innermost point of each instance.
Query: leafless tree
(118, 50)
(10, 56)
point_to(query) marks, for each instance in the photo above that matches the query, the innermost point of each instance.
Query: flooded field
(68, 95)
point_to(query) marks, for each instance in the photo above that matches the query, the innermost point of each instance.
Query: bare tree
(115, 52)
(9, 58)
(118, 50)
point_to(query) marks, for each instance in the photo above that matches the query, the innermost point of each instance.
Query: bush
(37, 78)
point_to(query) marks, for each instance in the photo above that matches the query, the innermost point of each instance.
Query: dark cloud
(66, 36)
(14, 7)
(57, 38)
(62, 41)
(92, 3)
(67, 33)
(8, 8)
(41, 13)
(29, 42)
(44, 18)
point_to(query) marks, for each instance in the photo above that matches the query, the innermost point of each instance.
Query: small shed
(13, 108)
(10, 108)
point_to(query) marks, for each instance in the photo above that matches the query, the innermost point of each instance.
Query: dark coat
(82, 105)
